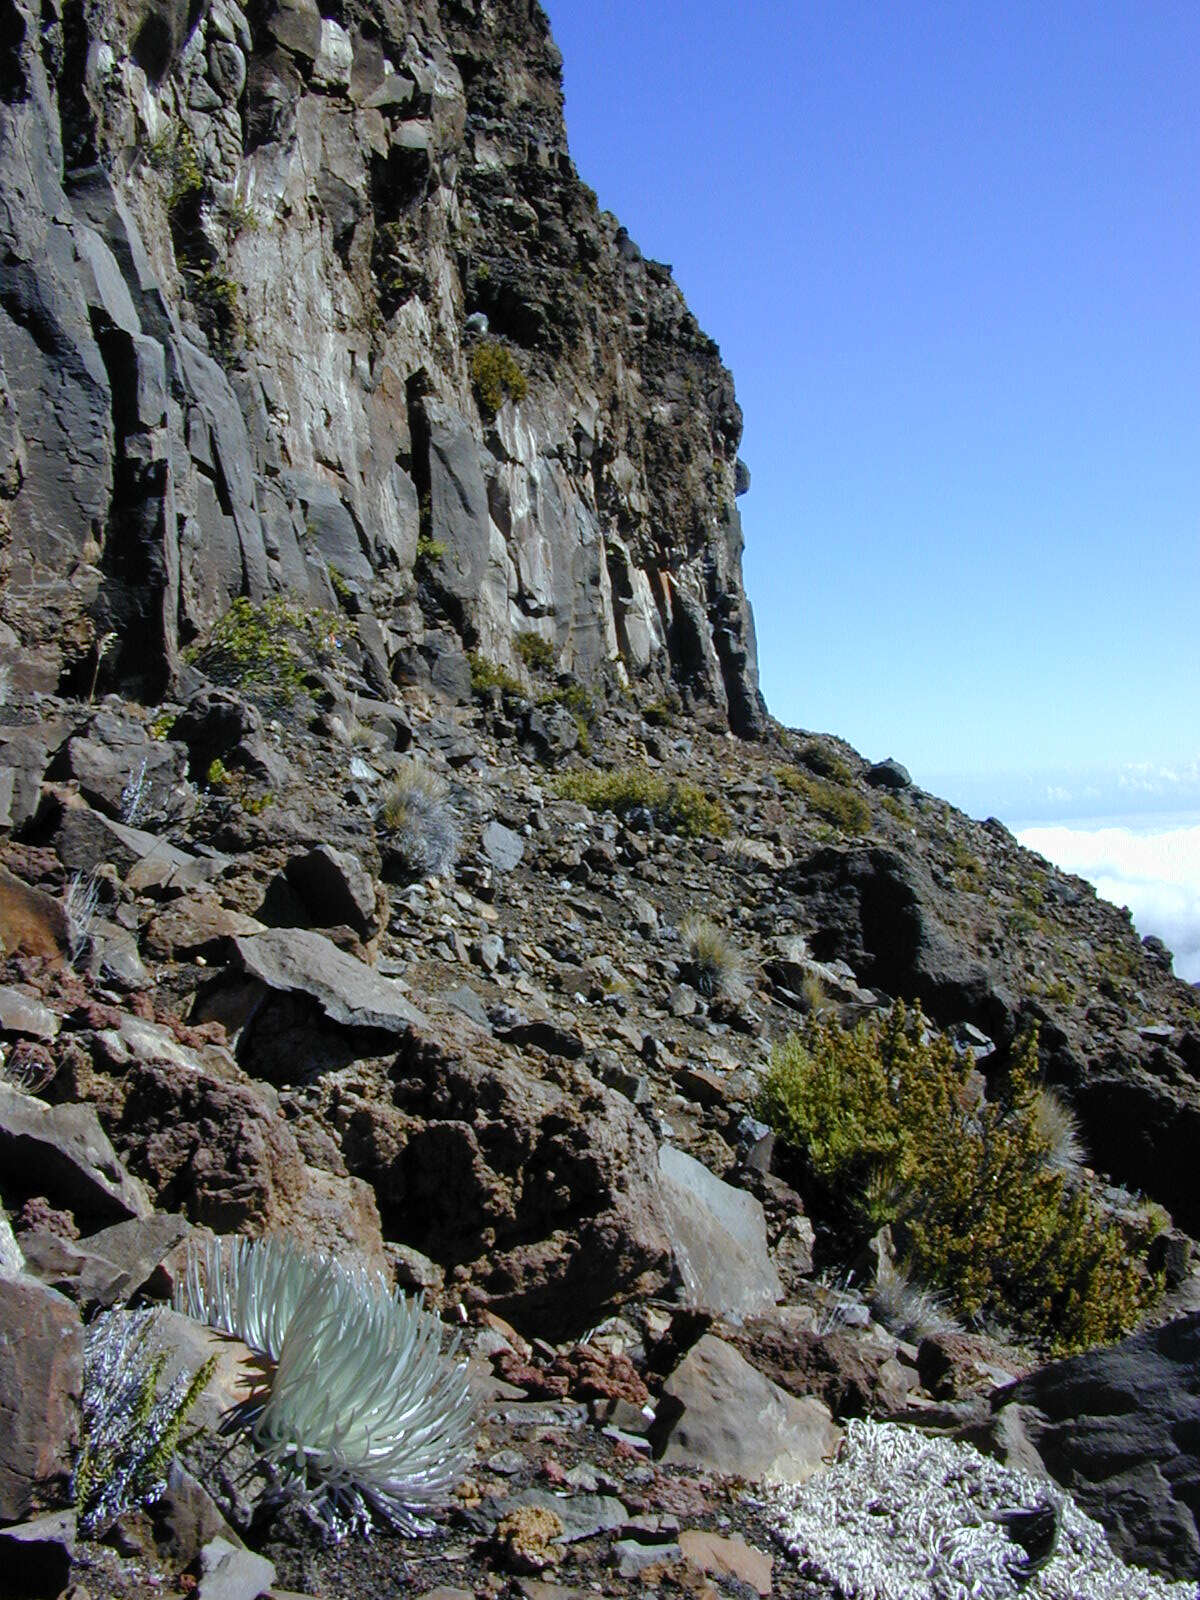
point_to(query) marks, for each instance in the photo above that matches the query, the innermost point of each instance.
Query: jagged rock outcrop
(253, 261)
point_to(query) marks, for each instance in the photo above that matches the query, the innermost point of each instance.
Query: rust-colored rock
(41, 1376)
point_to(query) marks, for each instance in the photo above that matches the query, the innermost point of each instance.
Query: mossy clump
(882, 1118)
(536, 652)
(831, 800)
(682, 808)
(497, 375)
(267, 647)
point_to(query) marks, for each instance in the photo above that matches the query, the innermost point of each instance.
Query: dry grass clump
(717, 965)
(420, 820)
(907, 1308)
(1058, 1128)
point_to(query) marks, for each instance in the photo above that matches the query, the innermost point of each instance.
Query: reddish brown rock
(853, 1377)
(41, 1376)
(31, 922)
(220, 1154)
(543, 1193)
(727, 1558)
(593, 1374)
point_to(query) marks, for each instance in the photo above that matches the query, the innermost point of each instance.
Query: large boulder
(41, 1378)
(1120, 1428)
(719, 1414)
(719, 1235)
(63, 1153)
(878, 910)
(542, 1193)
(221, 1154)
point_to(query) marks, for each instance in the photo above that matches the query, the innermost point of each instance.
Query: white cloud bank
(1155, 872)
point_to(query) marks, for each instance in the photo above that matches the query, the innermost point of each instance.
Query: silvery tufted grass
(365, 1417)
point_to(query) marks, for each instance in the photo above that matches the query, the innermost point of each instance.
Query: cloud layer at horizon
(1156, 873)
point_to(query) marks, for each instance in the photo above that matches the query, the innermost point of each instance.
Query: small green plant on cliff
(487, 675)
(496, 375)
(266, 648)
(174, 154)
(882, 1115)
(684, 808)
(536, 652)
(428, 550)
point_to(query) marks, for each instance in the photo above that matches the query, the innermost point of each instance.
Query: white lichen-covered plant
(904, 1516)
(365, 1416)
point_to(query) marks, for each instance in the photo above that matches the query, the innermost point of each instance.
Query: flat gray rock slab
(502, 846)
(720, 1414)
(581, 1515)
(719, 1235)
(21, 1013)
(64, 1153)
(227, 1573)
(299, 961)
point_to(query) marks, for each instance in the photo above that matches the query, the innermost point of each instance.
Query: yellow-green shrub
(267, 648)
(882, 1117)
(682, 807)
(831, 800)
(496, 375)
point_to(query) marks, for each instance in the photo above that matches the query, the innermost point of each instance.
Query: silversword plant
(365, 1417)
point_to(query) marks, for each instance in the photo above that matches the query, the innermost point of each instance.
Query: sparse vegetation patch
(680, 807)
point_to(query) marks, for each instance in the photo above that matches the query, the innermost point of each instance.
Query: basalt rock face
(247, 260)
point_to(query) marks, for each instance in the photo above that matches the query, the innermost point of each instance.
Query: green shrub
(487, 675)
(881, 1115)
(497, 375)
(844, 807)
(266, 647)
(662, 712)
(682, 807)
(537, 653)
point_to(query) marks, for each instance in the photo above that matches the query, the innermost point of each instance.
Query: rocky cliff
(273, 283)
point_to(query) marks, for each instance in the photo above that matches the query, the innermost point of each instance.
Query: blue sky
(951, 253)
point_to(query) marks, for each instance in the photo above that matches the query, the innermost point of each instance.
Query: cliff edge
(318, 304)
